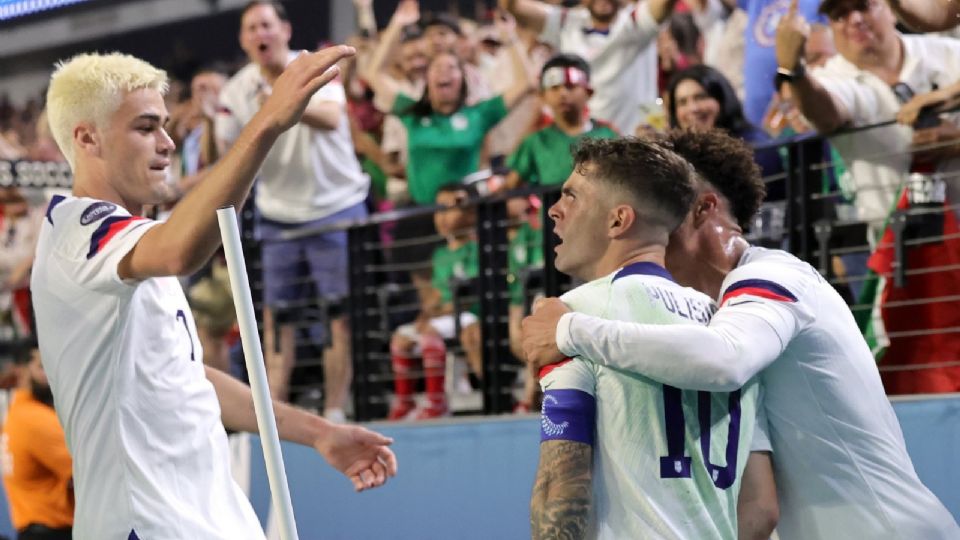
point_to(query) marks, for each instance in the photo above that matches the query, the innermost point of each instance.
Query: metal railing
(813, 221)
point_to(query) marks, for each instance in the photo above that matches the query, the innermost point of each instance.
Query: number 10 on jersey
(676, 464)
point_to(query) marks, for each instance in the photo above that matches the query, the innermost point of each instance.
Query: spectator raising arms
(876, 72)
(619, 43)
(445, 134)
(927, 15)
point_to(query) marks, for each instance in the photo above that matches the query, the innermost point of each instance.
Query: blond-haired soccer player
(144, 418)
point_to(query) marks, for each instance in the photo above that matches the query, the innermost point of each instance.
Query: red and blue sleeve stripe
(108, 228)
(550, 367)
(57, 199)
(758, 287)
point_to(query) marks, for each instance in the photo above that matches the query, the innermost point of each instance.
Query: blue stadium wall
(472, 479)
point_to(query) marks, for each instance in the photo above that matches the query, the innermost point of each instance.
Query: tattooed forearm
(560, 506)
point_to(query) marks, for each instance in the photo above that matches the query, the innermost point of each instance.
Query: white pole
(253, 355)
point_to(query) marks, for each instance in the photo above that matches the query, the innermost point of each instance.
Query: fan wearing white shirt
(143, 417)
(310, 179)
(618, 42)
(840, 462)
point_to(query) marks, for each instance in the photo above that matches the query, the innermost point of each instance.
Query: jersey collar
(644, 268)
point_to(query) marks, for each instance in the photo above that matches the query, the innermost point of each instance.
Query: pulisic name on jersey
(96, 212)
(686, 307)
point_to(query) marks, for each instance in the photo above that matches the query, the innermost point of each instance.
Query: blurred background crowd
(450, 104)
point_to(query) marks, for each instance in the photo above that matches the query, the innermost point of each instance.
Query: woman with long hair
(701, 98)
(444, 133)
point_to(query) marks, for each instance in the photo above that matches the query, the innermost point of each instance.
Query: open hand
(360, 454)
(293, 89)
(540, 333)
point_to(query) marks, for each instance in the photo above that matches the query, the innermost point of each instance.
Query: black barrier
(492, 238)
(364, 323)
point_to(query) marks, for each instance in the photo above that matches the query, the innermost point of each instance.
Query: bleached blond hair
(90, 88)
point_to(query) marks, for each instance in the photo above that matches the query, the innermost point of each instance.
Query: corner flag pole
(253, 355)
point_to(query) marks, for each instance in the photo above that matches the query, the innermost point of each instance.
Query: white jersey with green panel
(667, 463)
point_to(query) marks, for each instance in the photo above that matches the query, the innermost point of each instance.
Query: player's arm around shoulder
(787, 288)
(562, 493)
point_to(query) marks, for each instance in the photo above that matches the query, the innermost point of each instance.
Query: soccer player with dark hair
(624, 456)
(841, 466)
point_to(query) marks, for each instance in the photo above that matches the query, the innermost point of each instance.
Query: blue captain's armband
(568, 415)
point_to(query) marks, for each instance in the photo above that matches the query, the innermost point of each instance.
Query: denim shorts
(308, 267)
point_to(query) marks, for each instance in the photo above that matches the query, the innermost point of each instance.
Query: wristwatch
(784, 75)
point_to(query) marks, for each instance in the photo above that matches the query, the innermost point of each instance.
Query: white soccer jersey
(840, 460)
(150, 455)
(841, 465)
(666, 463)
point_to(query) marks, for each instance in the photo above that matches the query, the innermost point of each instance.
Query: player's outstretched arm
(189, 237)
(361, 455)
(562, 493)
(739, 342)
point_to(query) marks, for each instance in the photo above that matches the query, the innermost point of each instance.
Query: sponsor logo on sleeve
(96, 211)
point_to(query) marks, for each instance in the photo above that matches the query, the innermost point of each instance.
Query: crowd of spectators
(433, 100)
